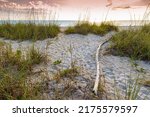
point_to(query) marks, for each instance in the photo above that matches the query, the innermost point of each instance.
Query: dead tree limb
(99, 71)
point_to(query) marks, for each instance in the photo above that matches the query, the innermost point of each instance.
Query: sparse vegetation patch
(85, 28)
(15, 67)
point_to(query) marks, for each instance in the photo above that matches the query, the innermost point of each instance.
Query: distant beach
(61, 23)
(66, 23)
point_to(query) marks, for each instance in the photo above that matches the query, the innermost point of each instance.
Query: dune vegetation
(15, 68)
(134, 43)
(32, 31)
(28, 31)
(85, 28)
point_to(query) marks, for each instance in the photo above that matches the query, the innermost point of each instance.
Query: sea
(66, 23)
(61, 23)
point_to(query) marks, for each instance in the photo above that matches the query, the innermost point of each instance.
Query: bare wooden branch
(99, 71)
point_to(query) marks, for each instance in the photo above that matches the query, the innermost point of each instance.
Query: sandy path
(67, 48)
(119, 71)
(82, 50)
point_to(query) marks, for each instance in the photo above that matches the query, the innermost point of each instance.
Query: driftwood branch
(99, 71)
(99, 75)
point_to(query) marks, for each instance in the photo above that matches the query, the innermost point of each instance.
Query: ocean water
(66, 23)
(61, 23)
(131, 22)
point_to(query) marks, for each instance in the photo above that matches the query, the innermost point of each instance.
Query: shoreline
(67, 23)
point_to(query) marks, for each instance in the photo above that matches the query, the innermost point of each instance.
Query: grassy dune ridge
(28, 31)
(33, 31)
(85, 28)
(134, 43)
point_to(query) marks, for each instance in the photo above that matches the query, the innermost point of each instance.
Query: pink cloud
(114, 4)
(3, 1)
(125, 4)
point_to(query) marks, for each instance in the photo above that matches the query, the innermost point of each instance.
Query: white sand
(81, 49)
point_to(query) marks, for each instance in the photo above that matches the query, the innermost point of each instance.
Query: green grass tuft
(69, 72)
(28, 31)
(57, 62)
(85, 28)
(134, 43)
(15, 67)
(35, 56)
(66, 73)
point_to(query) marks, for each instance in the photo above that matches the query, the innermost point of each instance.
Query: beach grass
(86, 27)
(15, 68)
(28, 31)
(134, 43)
(66, 73)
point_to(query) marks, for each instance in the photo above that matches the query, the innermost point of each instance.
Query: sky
(93, 10)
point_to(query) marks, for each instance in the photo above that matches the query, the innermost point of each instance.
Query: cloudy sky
(95, 10)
